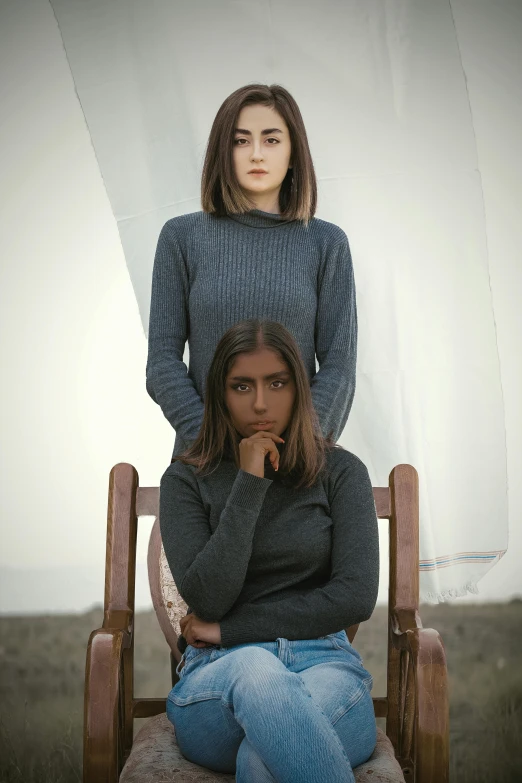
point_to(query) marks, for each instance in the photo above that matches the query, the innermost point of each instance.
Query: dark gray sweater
(266, 560)
(211, 272)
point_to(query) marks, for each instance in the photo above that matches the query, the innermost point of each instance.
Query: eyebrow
(265, 378)
(266, 132)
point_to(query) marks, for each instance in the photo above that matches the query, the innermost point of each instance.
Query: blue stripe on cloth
(459, 558)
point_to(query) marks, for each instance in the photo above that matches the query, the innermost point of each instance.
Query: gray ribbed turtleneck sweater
(210, 273)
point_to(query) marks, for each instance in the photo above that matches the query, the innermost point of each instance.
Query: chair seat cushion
(155, 758)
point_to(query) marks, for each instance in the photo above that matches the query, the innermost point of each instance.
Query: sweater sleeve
(350, 595)
(209, 568)
(168, 382)
(333, 386)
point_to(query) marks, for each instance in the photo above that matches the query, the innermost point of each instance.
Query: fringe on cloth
(448, 595)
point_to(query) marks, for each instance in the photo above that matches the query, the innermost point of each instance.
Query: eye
(273, 139)
(283, 383)
(238, 144)
(240, 387)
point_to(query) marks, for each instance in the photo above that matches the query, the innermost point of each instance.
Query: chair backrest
(169, 605)
(398, 503)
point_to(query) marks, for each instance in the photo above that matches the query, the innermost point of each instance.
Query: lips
(262, 424)
(258, 171)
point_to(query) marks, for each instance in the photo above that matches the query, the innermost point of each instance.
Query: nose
(260, 405)
(257, 153)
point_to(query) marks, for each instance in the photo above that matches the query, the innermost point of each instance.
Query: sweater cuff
(248, 491)
(245, 627)
(232, 635)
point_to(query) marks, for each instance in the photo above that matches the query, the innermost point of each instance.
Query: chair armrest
(424, 734)
(104, 705)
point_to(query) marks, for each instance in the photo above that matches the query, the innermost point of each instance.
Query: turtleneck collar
(256, 218)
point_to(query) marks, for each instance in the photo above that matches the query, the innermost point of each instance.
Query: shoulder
(327, 235)
(183, 225)
(178, 473)
(346, 479)
(343, 464)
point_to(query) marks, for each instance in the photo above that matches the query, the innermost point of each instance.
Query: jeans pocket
(194, 656)
(180, 666)
(341, 642)
(194, 652)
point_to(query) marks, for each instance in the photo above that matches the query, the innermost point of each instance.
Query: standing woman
(255, 251)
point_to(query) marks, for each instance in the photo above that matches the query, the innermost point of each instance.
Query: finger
(186, 629)
(270, 449)
(192, 639)
(273, 453)
(189, 636)
(266, 434)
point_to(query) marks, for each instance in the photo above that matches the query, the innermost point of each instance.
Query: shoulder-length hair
(220, 190)
(303, 454)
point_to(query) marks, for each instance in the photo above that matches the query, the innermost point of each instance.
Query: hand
(253, 450)
(198, 633)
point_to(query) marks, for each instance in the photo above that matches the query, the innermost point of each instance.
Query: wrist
(254, 471)
(248, 490)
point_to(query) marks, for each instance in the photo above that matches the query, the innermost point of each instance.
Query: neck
(256, 218)
(266, 202)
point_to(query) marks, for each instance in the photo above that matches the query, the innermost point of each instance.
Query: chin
(258, 186)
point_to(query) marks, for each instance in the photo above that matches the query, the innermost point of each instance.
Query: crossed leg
(252, 714)
(347, 706)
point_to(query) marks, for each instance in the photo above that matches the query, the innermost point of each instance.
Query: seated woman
(271, 536)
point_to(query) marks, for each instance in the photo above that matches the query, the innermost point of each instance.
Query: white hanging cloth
(383, 94)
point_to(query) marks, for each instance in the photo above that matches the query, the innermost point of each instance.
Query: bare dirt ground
(42, 662)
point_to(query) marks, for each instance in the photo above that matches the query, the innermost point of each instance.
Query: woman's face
(262, 142)
(260, 393)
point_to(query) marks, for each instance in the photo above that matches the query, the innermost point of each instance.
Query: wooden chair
(416, 744)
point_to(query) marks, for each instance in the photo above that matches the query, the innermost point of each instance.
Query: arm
(209, 569)
(168, 382)
(350, 595)
(333, 386)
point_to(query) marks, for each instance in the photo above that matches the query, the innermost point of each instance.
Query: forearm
(308, 616)
(333, 386)
(172, 389)
(168, 382)
(211, 581)
(333, 390)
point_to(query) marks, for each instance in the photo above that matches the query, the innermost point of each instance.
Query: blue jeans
(285, 711)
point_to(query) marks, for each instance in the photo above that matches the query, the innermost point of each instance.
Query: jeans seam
(340, 646)
(337, 737)
(183, 701)
(195, 657)
(362, 691)
(228, 705)
(359, 662)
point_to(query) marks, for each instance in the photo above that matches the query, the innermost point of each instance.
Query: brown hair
(303, 455)
(220, 190)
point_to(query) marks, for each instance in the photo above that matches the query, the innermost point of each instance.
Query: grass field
(42, 662)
